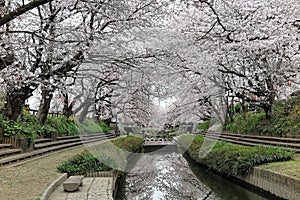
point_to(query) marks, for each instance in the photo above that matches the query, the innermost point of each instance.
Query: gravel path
(29, 180)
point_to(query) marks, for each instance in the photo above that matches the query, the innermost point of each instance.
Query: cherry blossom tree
(254, 45)
(57, 38)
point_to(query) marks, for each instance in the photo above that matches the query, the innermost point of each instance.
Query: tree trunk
(45, 105)
(67, 110)
(268, 111)
(244, 108)
(15, 101)
(84, 112)
(1, 134)
(268, 106)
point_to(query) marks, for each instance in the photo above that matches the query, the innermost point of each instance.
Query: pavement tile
(92, 189)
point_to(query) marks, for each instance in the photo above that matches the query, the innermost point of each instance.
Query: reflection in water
(162, 177)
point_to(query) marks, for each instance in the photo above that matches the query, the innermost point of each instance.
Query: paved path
(92, 189)
(28, 180)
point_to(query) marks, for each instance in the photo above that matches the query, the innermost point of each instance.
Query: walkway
(29, 180)
(92, 189)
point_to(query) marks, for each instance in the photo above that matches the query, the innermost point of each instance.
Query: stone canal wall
(280, 185)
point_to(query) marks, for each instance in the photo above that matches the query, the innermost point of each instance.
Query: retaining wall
(280, 185)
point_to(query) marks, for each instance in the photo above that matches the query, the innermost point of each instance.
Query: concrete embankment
(278, 184)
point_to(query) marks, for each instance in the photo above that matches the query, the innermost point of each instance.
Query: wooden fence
(19, 143)
(98, 174)
(50, 114)
(13, 140)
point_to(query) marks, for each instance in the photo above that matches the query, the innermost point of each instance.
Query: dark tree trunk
(244, 108)
(15, 101)
(45, 105)
(108, 121)
(268, 111)
(68, 109)
(84, 112)
(1, 134)
(268, 106)
(231, 111)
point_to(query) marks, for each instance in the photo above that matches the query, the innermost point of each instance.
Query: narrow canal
(172, 177)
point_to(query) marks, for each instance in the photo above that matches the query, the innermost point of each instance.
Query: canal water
(172, 177)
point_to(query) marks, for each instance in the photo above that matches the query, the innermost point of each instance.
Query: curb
(50, 189)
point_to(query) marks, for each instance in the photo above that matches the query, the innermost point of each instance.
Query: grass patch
(230, 159)
(103, 157)
(131, 143)
(289, 168)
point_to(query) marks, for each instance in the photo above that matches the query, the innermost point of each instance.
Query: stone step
(8, 152)
(42, 151)
(55, 143)
(67, 137)
(261, 141)
(5, 146)
(96, 137)
(73, 139)
(249, 143)
(268, 138)
(42, 140)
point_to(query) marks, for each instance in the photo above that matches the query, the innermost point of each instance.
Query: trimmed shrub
(231, 159)
(102, 157)
(86, 162)
(204, 125)
(61, 125)
(90, 126)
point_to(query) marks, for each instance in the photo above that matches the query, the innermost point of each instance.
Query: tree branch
(21, 10)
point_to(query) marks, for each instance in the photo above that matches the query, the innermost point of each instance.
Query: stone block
(72, 183)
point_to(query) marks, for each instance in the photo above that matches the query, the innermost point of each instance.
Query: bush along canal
(169, 175)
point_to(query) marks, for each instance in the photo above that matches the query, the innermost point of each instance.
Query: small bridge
(160, 145)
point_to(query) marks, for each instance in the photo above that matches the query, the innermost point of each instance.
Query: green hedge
(252, 124)
(103, 157)
(61, 125)
(90, 126)
(230, 159)
(86, 162)
(29, 125)
(204, 125)
(285, 120)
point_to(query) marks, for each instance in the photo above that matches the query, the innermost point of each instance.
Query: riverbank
(278, 178)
